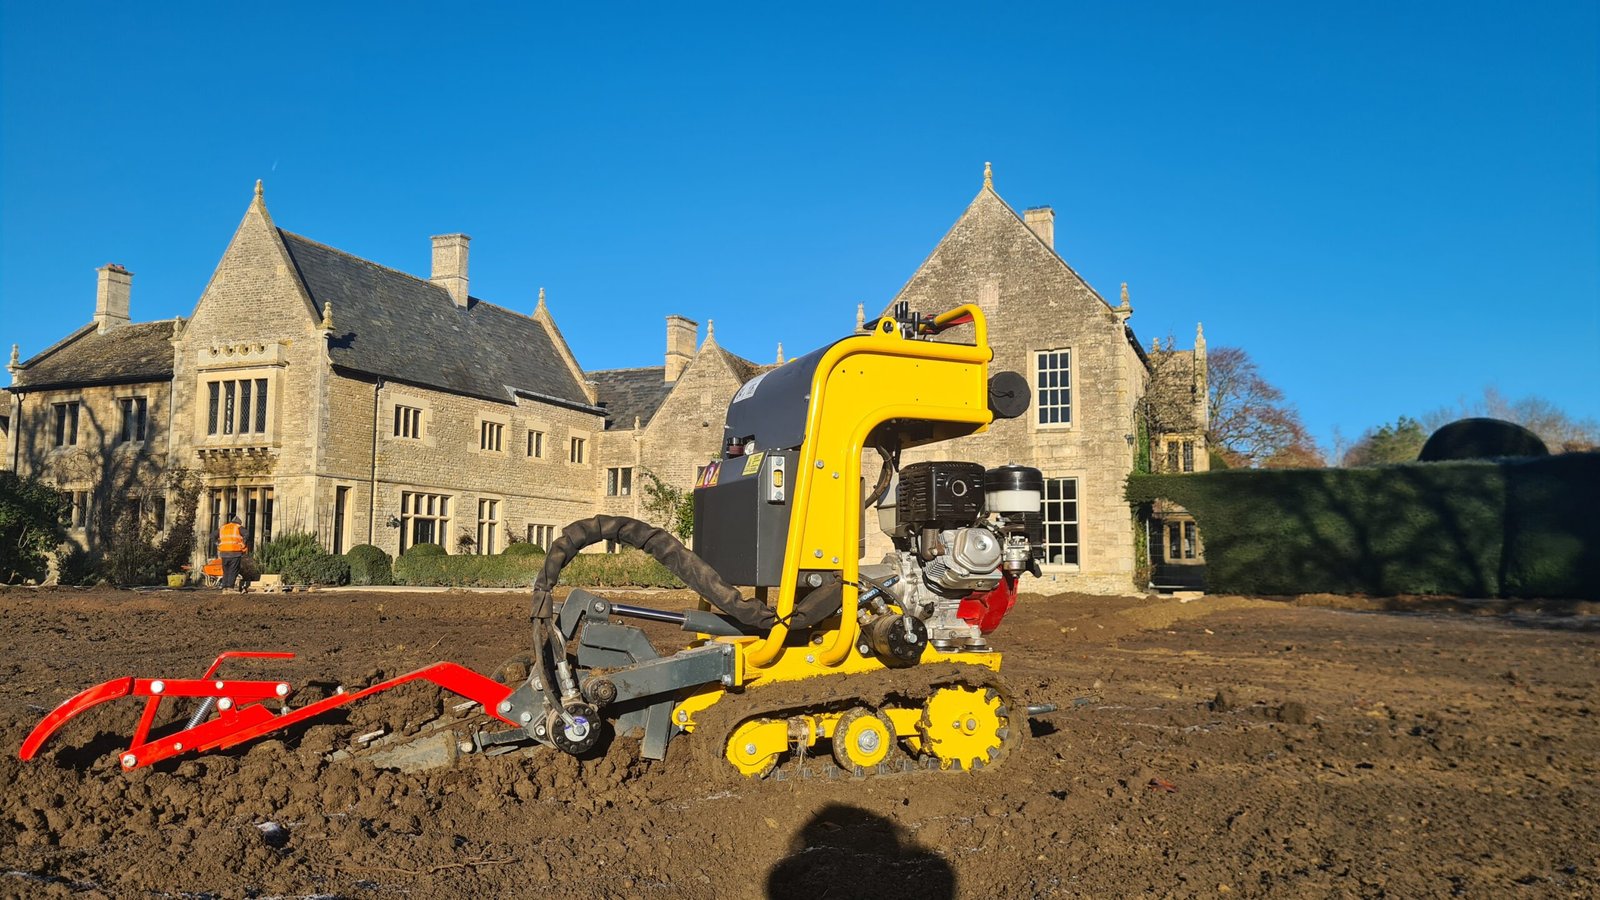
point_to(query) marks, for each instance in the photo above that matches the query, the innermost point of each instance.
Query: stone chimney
(111, 297)
(1042, 222)
(450, 265)
(682, 339)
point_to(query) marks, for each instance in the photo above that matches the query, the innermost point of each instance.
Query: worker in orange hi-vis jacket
(231, 547)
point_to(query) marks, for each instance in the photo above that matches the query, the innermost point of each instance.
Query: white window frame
(1049, 411)
(1065, 514)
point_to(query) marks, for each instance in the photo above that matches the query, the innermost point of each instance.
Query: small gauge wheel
(861, 740)
(747, 753)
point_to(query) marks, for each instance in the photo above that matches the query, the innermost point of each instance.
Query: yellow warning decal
(752, 463)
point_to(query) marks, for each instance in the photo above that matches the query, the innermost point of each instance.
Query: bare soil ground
(1226, 746)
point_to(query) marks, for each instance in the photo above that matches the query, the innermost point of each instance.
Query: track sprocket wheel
(964, 727)
(861, 740)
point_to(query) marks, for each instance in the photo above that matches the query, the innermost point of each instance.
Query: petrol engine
(962, 535)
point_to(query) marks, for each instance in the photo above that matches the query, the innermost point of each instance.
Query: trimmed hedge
(1507, 528)
(424, 550)
(523, 548)
(369, 565)
(323, 569)
(630, 568)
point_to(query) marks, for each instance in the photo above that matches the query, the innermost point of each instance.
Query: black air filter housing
(939, 495)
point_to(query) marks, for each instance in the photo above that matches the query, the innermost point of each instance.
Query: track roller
(861, 740)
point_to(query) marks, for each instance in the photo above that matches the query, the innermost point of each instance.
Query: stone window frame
(1035, 382)
(497, 508)
(1078, 511)
(201, 412)
(80, 506)
(491, 436)
(619, 481)
(1182, 535)
(406, 423)
(425, 419)
(483, 421)
(145, 432)
(580, 444)
(536, 447)
(422, 510)
(535, 531)
(62, 412)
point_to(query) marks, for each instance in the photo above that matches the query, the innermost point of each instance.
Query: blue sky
(1390, 206)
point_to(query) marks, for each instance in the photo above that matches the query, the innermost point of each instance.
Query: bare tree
(1251, 424)
(1560, 432)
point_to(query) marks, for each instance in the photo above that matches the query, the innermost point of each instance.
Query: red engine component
(985, 610)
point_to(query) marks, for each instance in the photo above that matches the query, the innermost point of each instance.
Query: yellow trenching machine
(868, 658)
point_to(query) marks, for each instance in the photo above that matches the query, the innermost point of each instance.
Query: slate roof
(129, 354)
(399, 326)
(627, 393)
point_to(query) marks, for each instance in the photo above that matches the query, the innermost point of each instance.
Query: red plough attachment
(240, 707)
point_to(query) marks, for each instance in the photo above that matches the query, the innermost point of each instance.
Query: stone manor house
(314, 390)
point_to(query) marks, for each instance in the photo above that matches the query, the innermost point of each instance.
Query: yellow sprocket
(965, 727)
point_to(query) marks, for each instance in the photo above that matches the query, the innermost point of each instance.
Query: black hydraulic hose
(659, 543)
(549, 655)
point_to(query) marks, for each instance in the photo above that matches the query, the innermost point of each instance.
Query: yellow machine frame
(860, 383)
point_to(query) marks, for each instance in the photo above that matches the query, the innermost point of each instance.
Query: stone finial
(780, 353)
(259, 192)
(1125, 302)
(861, 316)
(16, 355)
(1199, 336)
(1155, 345)
(541, 303)
(327, 316)
(635, 423)
(988, 176)
(711, 329)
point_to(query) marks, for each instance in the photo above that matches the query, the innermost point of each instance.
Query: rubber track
(837, 693)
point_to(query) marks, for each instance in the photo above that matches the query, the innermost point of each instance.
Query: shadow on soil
(846, 851)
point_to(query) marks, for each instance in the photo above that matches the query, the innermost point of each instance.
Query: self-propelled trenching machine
(886, 664)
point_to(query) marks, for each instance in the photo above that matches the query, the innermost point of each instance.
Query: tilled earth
(1224, 746)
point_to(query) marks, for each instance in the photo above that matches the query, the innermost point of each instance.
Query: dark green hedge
(1513, 528)
(629, 568)
(369, 565)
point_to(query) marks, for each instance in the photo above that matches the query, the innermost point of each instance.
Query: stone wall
(98, 463)
(1034, 302)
